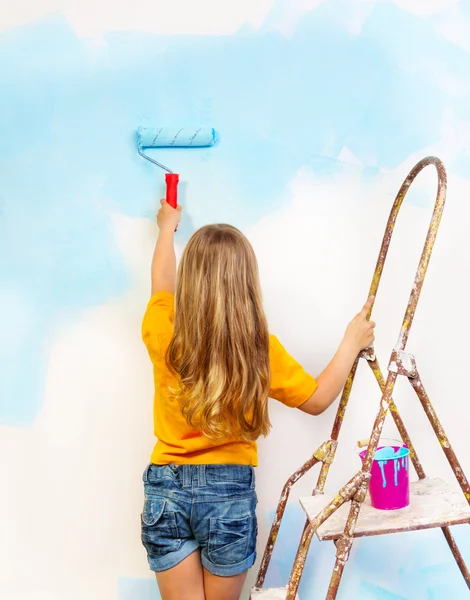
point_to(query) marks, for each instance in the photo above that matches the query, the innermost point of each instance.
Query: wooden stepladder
(349, 514)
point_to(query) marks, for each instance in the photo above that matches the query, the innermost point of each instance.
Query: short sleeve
(157, 325)
(290, 383)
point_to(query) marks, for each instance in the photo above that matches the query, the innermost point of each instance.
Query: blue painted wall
(68, 117)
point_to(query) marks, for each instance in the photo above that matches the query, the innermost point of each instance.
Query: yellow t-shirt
(178, 443)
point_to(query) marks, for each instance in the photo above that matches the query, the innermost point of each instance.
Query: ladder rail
(355, 490)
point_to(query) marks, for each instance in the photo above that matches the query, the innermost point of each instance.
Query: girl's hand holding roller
(168, 217)
(164, 258)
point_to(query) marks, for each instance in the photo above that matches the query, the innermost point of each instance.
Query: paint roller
(167, 137)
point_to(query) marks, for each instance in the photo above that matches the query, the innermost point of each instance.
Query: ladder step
(270, 594)
(433, 503)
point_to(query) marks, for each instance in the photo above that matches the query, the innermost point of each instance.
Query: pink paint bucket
(389, 486)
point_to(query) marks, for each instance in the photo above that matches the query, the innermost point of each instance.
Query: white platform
(433, 503)
(270, 594)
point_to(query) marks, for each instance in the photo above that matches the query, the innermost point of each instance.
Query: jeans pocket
(229, 540)
(145, 475)
(159, 527)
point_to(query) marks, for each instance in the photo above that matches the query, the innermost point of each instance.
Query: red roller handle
(172, 189)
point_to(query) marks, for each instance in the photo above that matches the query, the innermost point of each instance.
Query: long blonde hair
(220, 344)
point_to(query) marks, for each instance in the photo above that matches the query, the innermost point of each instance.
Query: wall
(322, 108)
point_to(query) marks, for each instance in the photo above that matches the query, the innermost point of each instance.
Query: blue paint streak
(370, 591)
(133, 588)
(382, 464)
(69, 112)
(396, 469)
(383, 455)
(465, 7)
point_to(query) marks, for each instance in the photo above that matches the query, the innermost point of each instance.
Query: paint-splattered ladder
(347, 515)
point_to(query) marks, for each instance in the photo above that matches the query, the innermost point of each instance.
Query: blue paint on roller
(169, 137)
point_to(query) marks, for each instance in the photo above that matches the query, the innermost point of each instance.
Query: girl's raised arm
(164, 257)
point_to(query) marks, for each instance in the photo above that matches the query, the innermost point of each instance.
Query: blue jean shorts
(206, 507)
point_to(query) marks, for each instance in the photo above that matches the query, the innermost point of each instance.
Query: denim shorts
(206, 507)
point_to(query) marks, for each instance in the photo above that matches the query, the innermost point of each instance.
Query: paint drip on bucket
(389, 486)
(399, 457)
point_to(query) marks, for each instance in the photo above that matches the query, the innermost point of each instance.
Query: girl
(215, 365)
